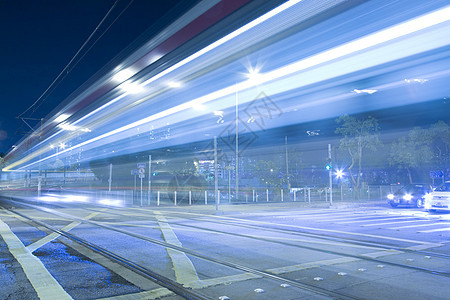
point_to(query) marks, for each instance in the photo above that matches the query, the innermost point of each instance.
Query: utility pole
(149, 178)
(330, 170)
(237, 146)
(287, 164)
(110, 177)
(216, 182)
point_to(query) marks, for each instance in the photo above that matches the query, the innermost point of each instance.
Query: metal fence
(160, 197)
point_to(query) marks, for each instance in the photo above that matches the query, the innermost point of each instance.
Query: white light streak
(198, 106)
(123, 75)
(366, 91)
(61, 117)
(416, 80)
(225, 39)
(131, 88)
(174, 84)
(364, 43)
(67, 127)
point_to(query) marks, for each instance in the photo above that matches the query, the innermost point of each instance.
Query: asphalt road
(271, 251)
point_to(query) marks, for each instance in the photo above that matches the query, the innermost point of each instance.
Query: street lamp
(339, 175)
(229, 168)
(254, 78)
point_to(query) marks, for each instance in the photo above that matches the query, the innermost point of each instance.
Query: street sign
(141, 171)
(141, 176)
(134, 172)
(141, 166)
(436, 174)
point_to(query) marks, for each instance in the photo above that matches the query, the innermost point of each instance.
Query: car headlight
(428, 197)
(390, 196)
(407, 197)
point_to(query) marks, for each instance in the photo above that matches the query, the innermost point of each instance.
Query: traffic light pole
(330, 175)
(216, 178)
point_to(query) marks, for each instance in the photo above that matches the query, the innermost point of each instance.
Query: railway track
(294, 230)
(350, 241)
(158, 278)
(143, 215)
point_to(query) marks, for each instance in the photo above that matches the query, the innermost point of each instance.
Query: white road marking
(237, 220)
(147, 295)
(340, 217)
(395, 222)
(184, 269)
(435, 230)
(380, 219)
(52, 236)
(382, 253)
(313, 264)
(42, 281)
(423, 247)
(420, 225)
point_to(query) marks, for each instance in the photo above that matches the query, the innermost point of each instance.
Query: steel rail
(264, 274)
(316, 235)
(362, 257)
(155, 277)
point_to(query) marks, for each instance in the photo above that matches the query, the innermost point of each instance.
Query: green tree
(358, 135)
(440, 136)
(412, 151)
(267, 172)
(295, 161)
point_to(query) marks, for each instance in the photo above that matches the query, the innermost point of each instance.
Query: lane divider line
(237, 221)
(389, 223)
(53, 236)
(40, 278)
(184, 269)
(147, 295)
(420, 225)
(435, 230)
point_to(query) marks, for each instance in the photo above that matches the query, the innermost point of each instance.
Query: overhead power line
(66, 69)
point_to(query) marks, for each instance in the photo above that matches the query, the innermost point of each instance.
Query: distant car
(411, 195)
(439, 199)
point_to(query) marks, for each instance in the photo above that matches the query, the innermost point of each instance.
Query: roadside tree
(358, 136)
(440, 135)
(412, 151)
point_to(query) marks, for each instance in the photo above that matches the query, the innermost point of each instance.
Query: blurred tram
(205, 88)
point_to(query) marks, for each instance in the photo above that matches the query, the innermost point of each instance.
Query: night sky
(40, 37)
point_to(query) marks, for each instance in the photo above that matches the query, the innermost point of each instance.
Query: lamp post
(330, 177)
(237, 144)
(287, 163)
(339, 174)
(229, 169)
(253, 76)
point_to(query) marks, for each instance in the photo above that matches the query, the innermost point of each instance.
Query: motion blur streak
(262, 88)
(374, 49)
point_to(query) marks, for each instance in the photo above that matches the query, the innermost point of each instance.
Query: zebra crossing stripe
(420, 225)
(436, 230)
(381, 219)
(396, 222)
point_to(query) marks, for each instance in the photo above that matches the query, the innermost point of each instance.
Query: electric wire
(70, 62)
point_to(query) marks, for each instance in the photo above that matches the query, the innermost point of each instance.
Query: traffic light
(328, 166)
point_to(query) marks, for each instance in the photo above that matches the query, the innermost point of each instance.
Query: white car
(439, 199)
